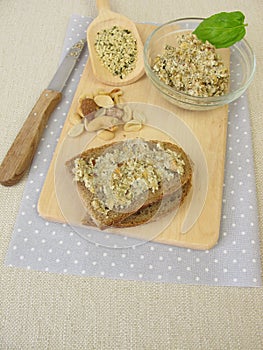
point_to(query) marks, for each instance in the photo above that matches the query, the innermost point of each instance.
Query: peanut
(104, 101)
(132, 126)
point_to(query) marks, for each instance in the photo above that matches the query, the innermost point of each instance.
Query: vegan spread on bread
(126, 183)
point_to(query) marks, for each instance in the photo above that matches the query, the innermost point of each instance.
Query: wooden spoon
(106, 20)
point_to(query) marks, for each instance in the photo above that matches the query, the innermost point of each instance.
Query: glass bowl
(242, 66)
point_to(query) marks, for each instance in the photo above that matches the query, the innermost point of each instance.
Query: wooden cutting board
(209, 129)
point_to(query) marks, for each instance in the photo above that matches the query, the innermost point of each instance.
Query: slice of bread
(95, 215)
(164, 164)
(158, 209)
(151, 212)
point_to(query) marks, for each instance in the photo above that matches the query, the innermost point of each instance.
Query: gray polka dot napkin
(46, 246)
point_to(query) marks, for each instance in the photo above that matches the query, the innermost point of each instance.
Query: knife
(21, 153)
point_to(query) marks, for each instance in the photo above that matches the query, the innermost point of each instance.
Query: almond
(87, 106)
(102, 122)
(127, 116)
(100, 112)
(114, 112)
(76, 130)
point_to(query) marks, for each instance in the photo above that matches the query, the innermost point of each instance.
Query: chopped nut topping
(192, 67)
(117, 49)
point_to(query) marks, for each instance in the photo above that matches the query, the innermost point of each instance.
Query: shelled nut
(75, 118)
(76, 130)
(132, 126)
(106, 135)
(102, 122)
(86, 106)
(104, 101)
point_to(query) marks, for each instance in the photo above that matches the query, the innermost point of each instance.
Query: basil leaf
(223, 29)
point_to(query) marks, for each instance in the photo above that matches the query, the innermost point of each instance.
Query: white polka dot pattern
(46, 246)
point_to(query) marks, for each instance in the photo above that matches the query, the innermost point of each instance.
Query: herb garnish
(223, 29)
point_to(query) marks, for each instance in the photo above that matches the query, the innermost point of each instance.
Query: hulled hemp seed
(117, 49)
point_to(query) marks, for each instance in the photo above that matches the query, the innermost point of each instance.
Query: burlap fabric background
(48, 311)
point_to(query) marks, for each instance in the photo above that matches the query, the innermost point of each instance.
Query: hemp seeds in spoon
(117, 49)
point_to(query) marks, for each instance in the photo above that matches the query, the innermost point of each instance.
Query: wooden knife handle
(21, 153)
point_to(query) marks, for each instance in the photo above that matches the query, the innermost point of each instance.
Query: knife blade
(20, 155)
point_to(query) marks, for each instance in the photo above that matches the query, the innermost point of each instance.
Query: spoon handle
(103, 5)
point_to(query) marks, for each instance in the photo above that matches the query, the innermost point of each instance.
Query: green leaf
(223, 29)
